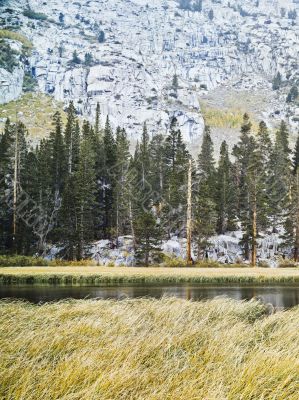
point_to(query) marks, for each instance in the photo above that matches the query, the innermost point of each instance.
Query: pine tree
(19, 161)
(32, 214)
(136, 192)
(206, 162)
(277, 81)
(6, 158)
(144, 158)
(157, 170)
(143, 215)
(242, 153)
(68, 215)
(291, 211)
(58, 157)
(88, 59)
(97, 126)
(264, 144)
(176, 159)
(122, 183)
(100, 159)
(296, 156)
(85, 184)
(51, 173)
(263, 154)
(175, 85)
(291, 224)
(15, 230)
(75, 58)
(68, 219)
(225, 193)
(280, 176)
(108, 178)
(258, 207)
(293, 94)
(46, 191)
(148, 238)
(72, 139)
(205, 215)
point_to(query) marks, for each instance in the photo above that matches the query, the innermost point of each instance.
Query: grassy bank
(148, 349)
(106, 275)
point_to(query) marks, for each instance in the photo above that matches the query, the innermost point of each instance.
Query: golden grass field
(146, 349)
(152, 271)
(160, 275)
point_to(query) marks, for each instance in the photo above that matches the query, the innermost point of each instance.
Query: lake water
(278, 296)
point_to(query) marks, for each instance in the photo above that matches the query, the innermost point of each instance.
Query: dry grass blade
(148, 349)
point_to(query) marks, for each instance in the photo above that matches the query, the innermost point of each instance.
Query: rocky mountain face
(150, 60)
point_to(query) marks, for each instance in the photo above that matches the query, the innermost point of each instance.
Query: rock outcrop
(11, 84)
(147, 61)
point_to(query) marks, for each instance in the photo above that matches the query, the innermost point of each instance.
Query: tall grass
(165, 349)
(152, 276)
(221, 118)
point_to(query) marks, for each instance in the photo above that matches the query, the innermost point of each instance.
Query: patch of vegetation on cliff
(27, 45)
(8, 56)
(35, 110)
(224, 118)
(35, 15)
(29, 84)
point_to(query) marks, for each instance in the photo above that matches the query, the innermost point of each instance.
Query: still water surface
(278, 296)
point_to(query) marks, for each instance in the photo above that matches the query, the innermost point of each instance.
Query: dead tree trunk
(132, 225)
(296, 247)
(254, 235)
(189, 215)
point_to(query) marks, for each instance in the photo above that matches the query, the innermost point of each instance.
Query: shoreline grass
(96, 276)
(148, 349)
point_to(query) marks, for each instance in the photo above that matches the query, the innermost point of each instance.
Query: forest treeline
(81, 184)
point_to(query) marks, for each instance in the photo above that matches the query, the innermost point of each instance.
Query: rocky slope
(147, 61)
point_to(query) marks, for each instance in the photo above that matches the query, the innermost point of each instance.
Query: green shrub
(287, 264)
(64, 263)
(8, 56)
(264, 264)
(208, 264)
(35, 15)
(29, 83)
(215, 264)
(181, 263)
(174, 263)
(22, 261)
(110, 264)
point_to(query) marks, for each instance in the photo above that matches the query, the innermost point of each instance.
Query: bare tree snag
(189, 215)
